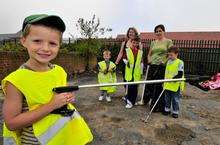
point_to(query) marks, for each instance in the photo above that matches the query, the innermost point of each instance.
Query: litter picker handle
(64, 89)
(198, 79)
(64, 111)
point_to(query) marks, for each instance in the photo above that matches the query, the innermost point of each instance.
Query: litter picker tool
(63, 89)
(148, 116)
(189, 79)
(77, 87)
(141, 102)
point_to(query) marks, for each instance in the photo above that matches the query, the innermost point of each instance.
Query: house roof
(10, 36)
(181, 35)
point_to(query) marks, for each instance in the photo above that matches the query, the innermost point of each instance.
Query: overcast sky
(176, 15)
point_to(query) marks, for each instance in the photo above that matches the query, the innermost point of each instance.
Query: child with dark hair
(174, 70)
(133, 71)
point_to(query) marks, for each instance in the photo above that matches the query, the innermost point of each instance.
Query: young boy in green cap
(29, 105)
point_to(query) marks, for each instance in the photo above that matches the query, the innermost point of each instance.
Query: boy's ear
(22, 40)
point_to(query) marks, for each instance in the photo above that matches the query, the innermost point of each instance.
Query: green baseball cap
(47, 20)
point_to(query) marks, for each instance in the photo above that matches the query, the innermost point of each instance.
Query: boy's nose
(46, 47)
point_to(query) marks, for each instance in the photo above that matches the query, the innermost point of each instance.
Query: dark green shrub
(11, 46)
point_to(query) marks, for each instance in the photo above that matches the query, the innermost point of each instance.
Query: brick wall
(71, 62)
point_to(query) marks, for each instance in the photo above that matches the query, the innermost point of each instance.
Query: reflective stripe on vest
(171, 71)
(10, 138)
(59, 124)
(9, 141)
(135, 69)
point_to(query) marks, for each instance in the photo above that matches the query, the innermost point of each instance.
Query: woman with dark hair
(157, 57)
(132, 34)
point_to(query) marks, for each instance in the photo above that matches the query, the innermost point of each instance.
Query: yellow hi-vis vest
(110, 77)
(53, 129)
(171, 71)
(135, 68)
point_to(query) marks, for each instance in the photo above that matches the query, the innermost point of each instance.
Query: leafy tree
(90, 30)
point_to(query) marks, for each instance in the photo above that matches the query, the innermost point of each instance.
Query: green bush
(85, 47)
(11, 46)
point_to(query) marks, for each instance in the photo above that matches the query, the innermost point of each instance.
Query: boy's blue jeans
(174, 99)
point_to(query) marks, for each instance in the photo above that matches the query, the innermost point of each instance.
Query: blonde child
(29, 105)
(106, 74)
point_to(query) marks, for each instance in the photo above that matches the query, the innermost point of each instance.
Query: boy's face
(134, 44)
(172, 55)
(42, 43)
(106, 56)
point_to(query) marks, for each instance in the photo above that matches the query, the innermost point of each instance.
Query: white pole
(132, 83)
(141, 102)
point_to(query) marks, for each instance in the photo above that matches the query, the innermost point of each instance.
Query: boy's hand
(112, 69)
(105, 71)
(128, 65)
(161, 62)
(61, 99)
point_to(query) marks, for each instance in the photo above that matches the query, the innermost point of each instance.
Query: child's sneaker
(175, 115)
(108, 99)
(123, 98)
(101, 98)
(129, 105)
(166, 113)
(139, 103)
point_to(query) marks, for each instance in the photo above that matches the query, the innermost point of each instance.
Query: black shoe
(175, 115)
(166, 113)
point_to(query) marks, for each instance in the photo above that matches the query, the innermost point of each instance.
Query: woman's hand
(140, 46)
(120, 54)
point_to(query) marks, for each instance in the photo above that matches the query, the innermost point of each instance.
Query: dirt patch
(174, 134)
(92, 108)
(112, 119)
(185, 96)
